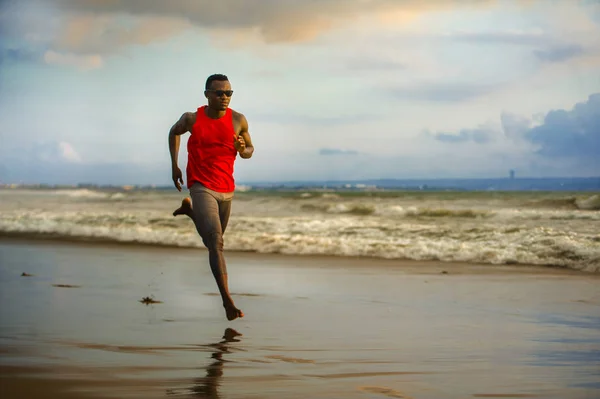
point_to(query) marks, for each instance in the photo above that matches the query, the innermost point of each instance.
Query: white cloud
(68, 153)
(361, 87)
(80, 61)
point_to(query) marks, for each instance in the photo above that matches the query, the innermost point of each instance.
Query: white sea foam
(342, 236)
(81, 193)
(438, 211)
(591, 203)
(468, 230)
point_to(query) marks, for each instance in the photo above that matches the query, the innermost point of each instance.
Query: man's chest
(214, 133)
(235, 122)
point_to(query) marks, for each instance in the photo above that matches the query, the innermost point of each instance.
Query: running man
(218, 135)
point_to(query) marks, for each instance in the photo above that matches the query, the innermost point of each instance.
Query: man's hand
(177, 177)
(239, 143)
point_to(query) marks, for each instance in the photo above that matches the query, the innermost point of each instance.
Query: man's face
(217, 95)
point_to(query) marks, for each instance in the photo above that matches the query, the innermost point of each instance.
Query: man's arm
(180, 127)
(183, 125)
(249, 148)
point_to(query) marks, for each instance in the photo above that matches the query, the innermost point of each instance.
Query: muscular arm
(183, 125)
(249, 150)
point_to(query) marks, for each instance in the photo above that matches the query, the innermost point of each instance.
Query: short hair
(212, 78)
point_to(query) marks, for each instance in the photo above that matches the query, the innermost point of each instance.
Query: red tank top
(211, 153)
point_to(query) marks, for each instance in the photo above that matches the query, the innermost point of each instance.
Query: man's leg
(185, 208)
(207, 213)
(224, 212)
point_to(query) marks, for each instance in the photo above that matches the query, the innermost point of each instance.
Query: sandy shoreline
(299, 260)
(318, 327)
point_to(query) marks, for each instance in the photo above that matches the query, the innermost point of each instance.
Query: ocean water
(542, 228)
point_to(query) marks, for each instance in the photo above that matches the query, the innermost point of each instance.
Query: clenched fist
(239, 143)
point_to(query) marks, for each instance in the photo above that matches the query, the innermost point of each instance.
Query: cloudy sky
(331, 89)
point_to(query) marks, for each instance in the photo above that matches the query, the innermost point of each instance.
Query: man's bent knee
(214, 241)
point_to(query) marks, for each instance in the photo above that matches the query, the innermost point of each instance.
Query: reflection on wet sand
(208, 387)
(365, 329)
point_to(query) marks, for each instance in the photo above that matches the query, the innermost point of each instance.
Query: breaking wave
(341, 235)
(431, 212)
(505, 228)
(80, 194)
(591, 203)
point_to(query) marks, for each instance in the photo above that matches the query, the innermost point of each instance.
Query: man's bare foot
(185, 208)
(233, 313)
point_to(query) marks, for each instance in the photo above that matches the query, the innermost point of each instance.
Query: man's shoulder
(238, 116)
(190, 116)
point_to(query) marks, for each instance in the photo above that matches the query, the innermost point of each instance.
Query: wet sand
(315, 327)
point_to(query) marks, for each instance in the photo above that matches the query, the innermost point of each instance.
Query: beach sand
(315, 327)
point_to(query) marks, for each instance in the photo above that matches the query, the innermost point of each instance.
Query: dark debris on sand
(149, 300)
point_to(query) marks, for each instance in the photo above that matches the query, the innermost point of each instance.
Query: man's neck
(214, 114)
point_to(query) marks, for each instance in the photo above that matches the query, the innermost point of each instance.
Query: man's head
(218, 92)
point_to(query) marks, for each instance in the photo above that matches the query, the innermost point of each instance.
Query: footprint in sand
(389, 392)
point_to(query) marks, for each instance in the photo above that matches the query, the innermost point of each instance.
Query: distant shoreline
(527, 184)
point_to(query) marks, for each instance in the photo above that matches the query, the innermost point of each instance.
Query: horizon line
(317, 181)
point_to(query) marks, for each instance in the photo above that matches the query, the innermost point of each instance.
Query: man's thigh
(206, 213)
(224, 212)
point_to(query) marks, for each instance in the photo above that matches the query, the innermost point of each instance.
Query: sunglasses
(219, 93)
